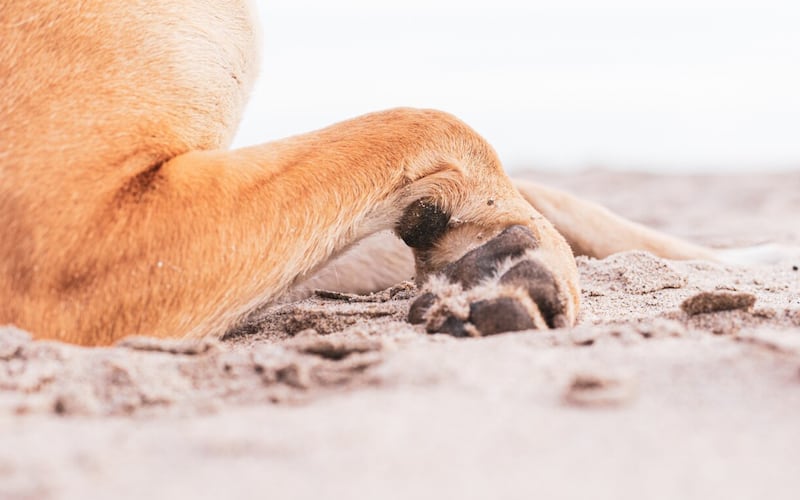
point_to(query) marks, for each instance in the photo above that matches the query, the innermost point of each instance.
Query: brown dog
(122, 211)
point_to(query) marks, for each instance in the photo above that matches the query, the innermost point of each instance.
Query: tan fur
(122, 211)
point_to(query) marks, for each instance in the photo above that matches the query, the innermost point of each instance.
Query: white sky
(667, 85)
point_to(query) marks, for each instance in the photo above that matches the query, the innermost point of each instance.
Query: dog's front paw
(498, 287)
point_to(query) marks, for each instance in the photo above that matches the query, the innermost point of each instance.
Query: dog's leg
(374, 263)
(190, 246)
(595, 231)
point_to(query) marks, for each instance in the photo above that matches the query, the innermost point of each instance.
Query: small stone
(709, 302)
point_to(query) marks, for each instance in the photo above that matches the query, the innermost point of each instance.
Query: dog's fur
(122, 211)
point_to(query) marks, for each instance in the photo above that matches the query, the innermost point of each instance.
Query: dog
(124, 212)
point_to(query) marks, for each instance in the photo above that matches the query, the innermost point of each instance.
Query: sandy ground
(650, 396)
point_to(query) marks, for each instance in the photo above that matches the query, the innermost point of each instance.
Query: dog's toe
(540, 285)
(498, 315)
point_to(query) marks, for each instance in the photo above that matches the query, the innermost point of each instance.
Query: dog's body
(123, 213)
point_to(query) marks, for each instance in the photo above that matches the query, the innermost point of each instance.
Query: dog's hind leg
(374, 263)
(593, 230)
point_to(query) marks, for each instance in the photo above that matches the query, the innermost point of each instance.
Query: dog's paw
(498, 287)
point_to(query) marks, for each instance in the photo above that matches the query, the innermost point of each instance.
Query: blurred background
(663, 86)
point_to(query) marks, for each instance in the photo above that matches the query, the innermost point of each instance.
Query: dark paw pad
(498, 287)
(541, 286)
(482, 262)
(503, 314)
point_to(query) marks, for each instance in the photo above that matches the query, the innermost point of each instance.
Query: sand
(682, 380)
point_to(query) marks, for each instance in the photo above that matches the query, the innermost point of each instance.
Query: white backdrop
(657, 85)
